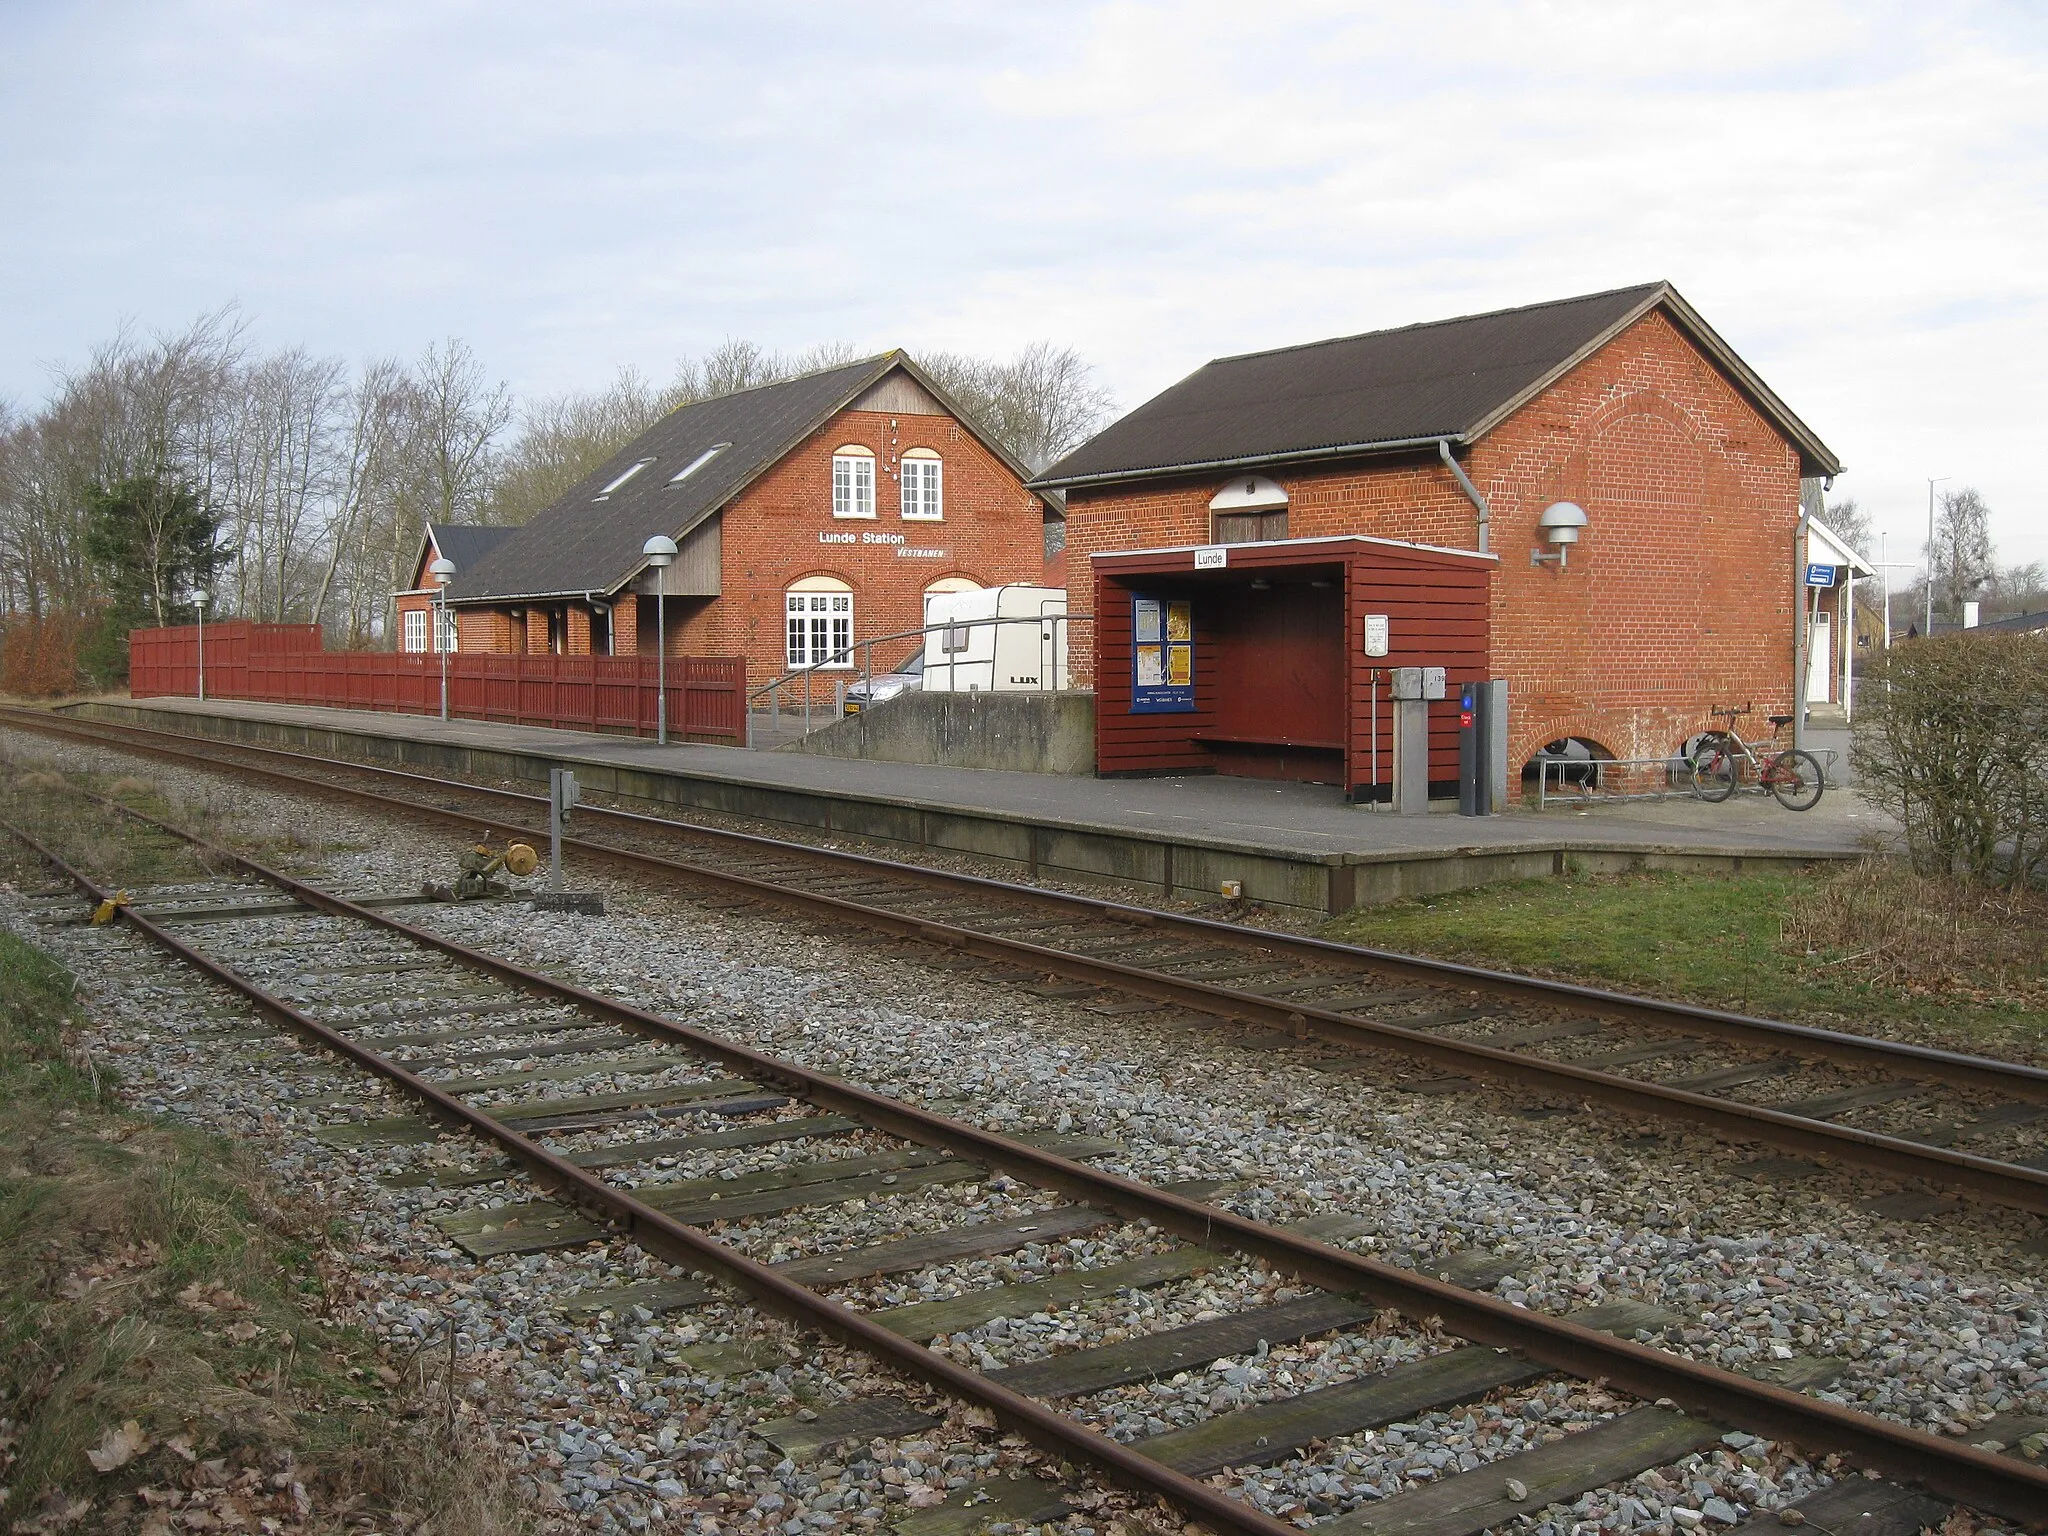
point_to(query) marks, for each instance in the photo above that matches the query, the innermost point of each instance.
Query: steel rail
(689, 1246)
(2008, 1184)
(2003, 1485)
(1955, 1067)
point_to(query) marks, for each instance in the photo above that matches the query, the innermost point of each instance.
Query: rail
(1980, 1477)
(1052, 663)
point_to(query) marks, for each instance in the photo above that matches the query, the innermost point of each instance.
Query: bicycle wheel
(1795, 778)
(1713, 771)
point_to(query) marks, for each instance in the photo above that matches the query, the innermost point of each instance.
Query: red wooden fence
(284, 664)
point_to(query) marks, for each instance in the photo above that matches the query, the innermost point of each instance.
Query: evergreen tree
(152, 543)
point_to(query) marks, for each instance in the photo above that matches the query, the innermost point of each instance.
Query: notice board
(1162, 655)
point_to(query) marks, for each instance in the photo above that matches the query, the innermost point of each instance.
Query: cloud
(1851, 194)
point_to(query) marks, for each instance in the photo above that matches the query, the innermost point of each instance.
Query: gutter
(1248, 461)
(1443, 449)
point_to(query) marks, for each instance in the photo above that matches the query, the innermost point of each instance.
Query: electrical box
(1418, 682)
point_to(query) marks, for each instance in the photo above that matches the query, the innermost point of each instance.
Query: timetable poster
(1162, 655)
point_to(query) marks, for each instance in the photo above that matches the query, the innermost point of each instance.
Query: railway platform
(1289, 845)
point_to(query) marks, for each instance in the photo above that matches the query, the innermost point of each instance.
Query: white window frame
(923, 495)
(449, 638)
(815, 625)
(415, 629)
(853, 484)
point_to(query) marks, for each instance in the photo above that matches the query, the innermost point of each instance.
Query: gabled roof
(464, 543)
(589, 541)
(1830, 548)
(1389, 390)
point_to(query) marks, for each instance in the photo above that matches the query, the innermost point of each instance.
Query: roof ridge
(795, 378)
(1428, 325)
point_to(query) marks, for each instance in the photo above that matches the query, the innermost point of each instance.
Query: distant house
(810, 515)
(1635, 484)
(464, 543)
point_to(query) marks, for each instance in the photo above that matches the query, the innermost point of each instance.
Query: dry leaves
(201, 1297)
(120, 1447)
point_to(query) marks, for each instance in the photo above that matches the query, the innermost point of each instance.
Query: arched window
(953, 584)
(853, 481)
(1247, 511)
(818, 620)
(922, 497)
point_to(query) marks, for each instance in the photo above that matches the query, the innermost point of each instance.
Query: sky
(1852, 195)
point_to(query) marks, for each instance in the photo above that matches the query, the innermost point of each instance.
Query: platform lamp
(443, 572)
(659, 551)
(1561, 524)
(199, 602)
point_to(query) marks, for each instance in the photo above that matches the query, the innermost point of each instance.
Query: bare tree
(1041, 404)
(566, 437)
(1961, 560)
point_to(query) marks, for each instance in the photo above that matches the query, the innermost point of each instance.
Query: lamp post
(443, 572)
(1931, 484)
(659, 551)
(199, 602)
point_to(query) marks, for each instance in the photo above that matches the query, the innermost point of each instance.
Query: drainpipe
(1443, 449)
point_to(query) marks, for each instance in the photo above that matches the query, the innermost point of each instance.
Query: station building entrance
(1275, 659)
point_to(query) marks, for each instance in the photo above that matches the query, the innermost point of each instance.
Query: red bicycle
(1721, 759)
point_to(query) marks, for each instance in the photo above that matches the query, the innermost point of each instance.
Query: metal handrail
(1680, 776)
(843, 656)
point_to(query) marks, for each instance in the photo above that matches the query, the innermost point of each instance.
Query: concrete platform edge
(1194, 868)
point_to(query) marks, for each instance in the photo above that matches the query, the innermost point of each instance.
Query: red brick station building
(809, 514)
(1416, 475)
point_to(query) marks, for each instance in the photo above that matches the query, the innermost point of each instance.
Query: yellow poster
(1180, 621)
(1180, 664)
(1151, 672)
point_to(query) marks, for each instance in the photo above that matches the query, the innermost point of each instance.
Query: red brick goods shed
(1620, 418)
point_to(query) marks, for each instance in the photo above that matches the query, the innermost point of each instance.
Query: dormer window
(621, 479)
(698, 463)
(853, 481)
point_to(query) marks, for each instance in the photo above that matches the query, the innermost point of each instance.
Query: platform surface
(1298, 819)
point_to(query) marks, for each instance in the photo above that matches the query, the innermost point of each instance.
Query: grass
(1786, 946)
(168, 1357)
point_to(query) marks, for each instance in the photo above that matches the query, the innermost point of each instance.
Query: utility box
(1418, 682)
(1482, 747)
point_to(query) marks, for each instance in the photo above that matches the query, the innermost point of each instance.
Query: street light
(1931, 484)
(443, 572)
(659, 551)
(199, 602)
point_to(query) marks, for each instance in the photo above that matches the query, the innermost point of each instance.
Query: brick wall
(992, 532)
(1679, 598)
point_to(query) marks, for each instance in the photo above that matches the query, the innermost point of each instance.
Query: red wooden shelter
(1252, 658)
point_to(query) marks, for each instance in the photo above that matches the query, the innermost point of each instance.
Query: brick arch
(1530, 736)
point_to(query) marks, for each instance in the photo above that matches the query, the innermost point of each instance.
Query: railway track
(1937, 1118)
(440, 1022)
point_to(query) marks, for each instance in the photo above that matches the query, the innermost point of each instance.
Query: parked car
(885, 685)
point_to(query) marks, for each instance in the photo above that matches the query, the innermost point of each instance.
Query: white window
(921, 497)
(698, 463)
(853, 482)
(448, 640)
(621, 479)
(819, 615)
(415, 629)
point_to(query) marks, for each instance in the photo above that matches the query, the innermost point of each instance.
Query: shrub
(39, 656)
(1952, 739)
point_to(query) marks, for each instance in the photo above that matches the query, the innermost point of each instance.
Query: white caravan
(972, 655)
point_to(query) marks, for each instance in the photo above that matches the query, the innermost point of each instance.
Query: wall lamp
(1560, 525)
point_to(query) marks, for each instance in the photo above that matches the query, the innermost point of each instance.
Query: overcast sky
(1852, 195)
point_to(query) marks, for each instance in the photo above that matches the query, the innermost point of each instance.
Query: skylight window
(622, 479)
(698, 463)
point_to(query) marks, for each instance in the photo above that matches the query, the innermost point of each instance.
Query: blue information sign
(1162, 655)
(1822, 575)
